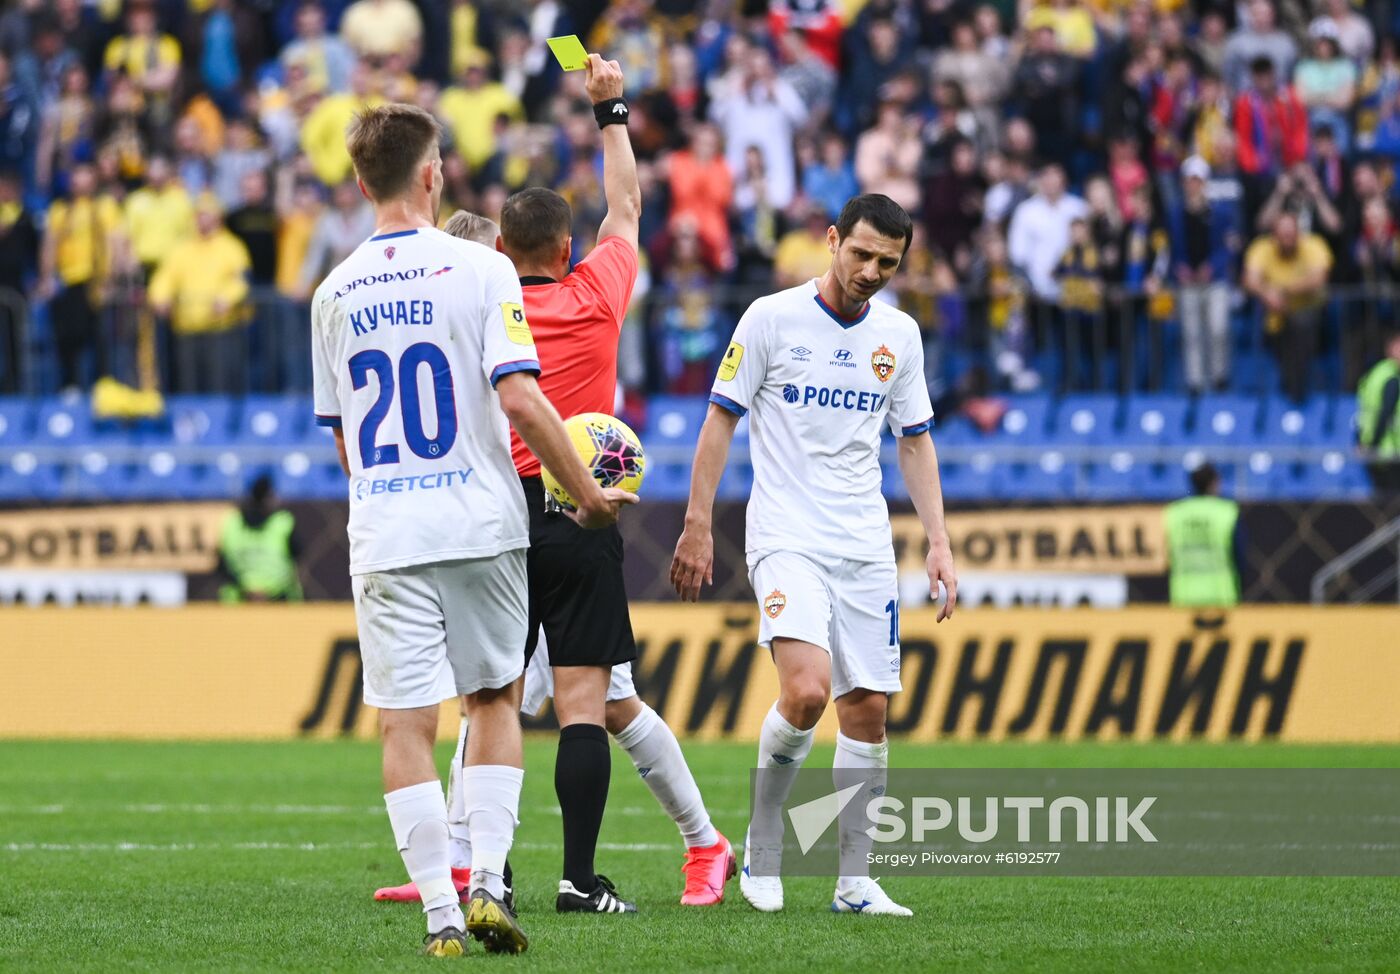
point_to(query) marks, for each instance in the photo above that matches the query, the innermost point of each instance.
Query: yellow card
(569, 50)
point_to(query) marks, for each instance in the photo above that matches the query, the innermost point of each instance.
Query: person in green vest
(1378, 426)
(258, 550)
(1205, 548)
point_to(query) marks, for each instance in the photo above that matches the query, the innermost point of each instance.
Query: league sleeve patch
(517, 328)
(729, 368)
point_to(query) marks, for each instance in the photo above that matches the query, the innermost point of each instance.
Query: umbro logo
(644, 771)
(781, 758)
(801, 352)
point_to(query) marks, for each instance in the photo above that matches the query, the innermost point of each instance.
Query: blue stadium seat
(16, 421)
(955, 431)
(1087, 419)
(274, 420)
(163, 477)
(1286, 422)
(1023, 482)
(63, 423)
(96, 478)
(1151, 420)
(970, 481)
(202, 420)
(1226, 421)
(1116, 480)
(737, 482)
(675, 420)
(1335, 477)
(892, 482)
(1342, 430)
(666, 482)
(24, 480)
(1162, 481)
(1026, 420)
(1258, 479)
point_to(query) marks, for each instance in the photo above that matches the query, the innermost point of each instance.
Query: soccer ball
(609, 448)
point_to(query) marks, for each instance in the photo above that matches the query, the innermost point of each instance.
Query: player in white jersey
(821, 369)
(422, 358)
(636, 727)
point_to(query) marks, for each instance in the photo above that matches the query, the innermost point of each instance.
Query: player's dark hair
(1204, 479)
(885, 216)
(534, 222)
(387, 145)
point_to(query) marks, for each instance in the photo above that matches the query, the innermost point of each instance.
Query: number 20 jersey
(410, 335)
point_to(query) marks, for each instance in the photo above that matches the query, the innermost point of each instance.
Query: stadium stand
(1107, 363)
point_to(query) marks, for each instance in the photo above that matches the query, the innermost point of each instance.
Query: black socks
(582, 771)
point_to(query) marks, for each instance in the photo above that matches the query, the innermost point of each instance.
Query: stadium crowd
(1086, 177)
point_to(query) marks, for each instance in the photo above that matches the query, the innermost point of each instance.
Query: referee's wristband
(613, 111)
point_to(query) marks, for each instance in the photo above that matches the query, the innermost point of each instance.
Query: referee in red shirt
(576, 587)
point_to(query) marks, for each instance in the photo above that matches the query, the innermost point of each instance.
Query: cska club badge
(882, 361)
(389, 252)
(774, 604)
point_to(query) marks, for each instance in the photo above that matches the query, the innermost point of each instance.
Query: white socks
(491, 796)
(783, 747)
(461, 850)
(418, 816)
(657, 755)
(867, 763)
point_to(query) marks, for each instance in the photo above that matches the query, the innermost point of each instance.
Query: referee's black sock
(582, 771)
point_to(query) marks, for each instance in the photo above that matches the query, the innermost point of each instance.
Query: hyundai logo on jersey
(365, 487)
(843, 354)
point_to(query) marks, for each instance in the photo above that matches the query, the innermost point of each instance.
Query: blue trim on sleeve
(506, 368)
(331, 421)
(724, 402)
(917, 428)
(396, 233)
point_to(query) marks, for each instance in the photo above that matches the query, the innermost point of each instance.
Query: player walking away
(636, 728)
(823, 368)
(420, 351)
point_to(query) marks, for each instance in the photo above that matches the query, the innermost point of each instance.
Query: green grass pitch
(219, 857)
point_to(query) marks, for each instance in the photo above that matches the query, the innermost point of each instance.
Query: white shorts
(539, 681)
(429, 632)
(848, 608)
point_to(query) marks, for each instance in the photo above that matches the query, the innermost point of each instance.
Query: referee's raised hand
(602, 79)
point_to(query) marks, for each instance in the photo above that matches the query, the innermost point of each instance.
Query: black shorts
(576, 589)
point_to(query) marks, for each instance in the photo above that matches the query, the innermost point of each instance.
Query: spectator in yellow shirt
(470, 110)
(79, 250)
(1072, 23)
(146, 56)
(377, 28)
(803, 252)
(1287, 272)
(158, 215)
(202, 287)
(323, 132)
